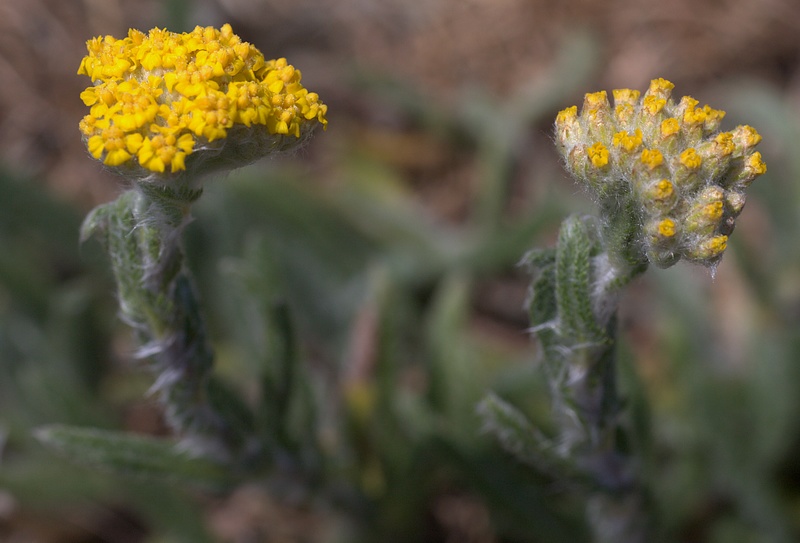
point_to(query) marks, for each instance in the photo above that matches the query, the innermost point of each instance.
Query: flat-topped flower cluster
(686, 178)
(163, 96)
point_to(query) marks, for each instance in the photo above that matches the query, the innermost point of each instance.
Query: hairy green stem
(573, 309)
(142, 232)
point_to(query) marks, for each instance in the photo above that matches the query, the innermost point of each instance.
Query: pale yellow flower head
(164, 104)
(686, 180)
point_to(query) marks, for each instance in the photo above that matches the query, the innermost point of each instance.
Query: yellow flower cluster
(686, 178)
(160, 97)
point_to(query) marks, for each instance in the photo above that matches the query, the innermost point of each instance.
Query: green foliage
(132, 455)
(347, 338)
(56, 330)
(575, 281)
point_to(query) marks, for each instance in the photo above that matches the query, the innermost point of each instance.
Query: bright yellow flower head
(160, 97)
(666, 160)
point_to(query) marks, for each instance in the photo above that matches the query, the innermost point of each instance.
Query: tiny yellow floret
(653, 104)
(723, 143)
(748, 135)
(717, 245)
(713, 211)
(713, 114)
(567, 115)
(661, 87)
(670, 126)
(652, 158)
(624, 113)
(596, 99)
(692, 114)
(625, 96)
(664, 189)
(691, 159)
(598, 154)
(666, 228)
(756, 165)
(629, 142)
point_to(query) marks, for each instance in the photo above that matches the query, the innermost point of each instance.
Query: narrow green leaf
(444, 330)
(228, 402)
(574, 282)
(96, 221)
(279, 379)
(514, 431)
(132, 455)
(542, 304)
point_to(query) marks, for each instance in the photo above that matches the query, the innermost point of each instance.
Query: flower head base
(164, 105)
(684, 178)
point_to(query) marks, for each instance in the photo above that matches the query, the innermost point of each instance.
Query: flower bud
(568, 131)
(659, 196)
(686, 170)
(716, 156)
(734, 202)
(684, 178)
(706, 251)
(705, 211)
(661, 240)
(596, 115)
(625, 104)
(668, 135)
(752, 168)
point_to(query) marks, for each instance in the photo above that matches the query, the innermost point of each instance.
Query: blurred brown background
(438, 46)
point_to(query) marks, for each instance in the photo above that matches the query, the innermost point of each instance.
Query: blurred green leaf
(134, 455)
(514, 431)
